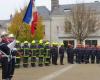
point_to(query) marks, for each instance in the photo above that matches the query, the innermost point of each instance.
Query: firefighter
(81, 53)
(97, 55)
(92, 53)
(78, 53)
(33, 49)
(47, 54)
(61, 53)
(70, 54)
(13, 52)
(87, 54)
(54, 53)
(5, 60)
(0, 61)
(26, 52)
(5, 52)
(0, 56)
(18, 55)
(8, 58)
(41, 53)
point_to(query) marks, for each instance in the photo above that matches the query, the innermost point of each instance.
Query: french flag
(31, 16)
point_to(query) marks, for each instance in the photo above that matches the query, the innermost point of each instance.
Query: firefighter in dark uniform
(47, 54)
(82, 54)
(86, 54)
(5, 60)
(18, 56)
(70, 54)
(78, 53)
(8, 57)
(41, 53)
(89, 53)
(92, 53)
(61, 53)
(0, 61)
(98, 55)
(33, 49)
(54, 53)
(13, 52)
(26, 52)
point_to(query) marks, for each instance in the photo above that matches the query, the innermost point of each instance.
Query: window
(66, 42)
(67, 10)
(91, 42)
(68, 26)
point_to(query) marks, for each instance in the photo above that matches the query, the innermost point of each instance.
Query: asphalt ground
(59, 72)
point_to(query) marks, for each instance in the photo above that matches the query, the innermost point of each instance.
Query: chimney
(96, 1)
(54, 4)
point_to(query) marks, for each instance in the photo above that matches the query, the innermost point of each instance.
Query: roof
(44, 12)
(3, 23)
(67, 7)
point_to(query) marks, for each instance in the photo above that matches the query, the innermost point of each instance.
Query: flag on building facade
(31, 16)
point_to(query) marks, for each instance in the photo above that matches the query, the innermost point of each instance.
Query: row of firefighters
(40, 53)
(44, 54)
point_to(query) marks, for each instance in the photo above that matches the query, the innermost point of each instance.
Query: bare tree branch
(81, 22)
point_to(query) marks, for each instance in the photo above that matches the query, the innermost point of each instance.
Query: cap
(33, 41)
(17, 41)
(11, 35)
(4, 34)
(25, 41)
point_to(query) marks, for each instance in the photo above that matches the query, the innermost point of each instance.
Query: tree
(39, 30)
(22, 30)
(81, 22)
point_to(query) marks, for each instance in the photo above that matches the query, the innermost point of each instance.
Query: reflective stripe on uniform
(5, 56)
(17, 57)
(33, 62)
(46, 62)
(25, 56)
(26, 48)
(33, 49)
(17, 64)
(25, 63)
(13, 56)
(34, 56)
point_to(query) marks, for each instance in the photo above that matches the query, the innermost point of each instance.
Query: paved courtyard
(59, 72)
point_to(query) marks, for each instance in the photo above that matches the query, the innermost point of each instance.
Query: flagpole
(50, 29)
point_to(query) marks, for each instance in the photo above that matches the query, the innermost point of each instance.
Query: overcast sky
(8, 7)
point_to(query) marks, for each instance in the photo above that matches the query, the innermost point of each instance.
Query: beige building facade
(54, 22)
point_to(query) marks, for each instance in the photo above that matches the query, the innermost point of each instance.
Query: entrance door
(66, 42)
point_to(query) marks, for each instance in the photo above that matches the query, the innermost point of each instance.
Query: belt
(5, 55)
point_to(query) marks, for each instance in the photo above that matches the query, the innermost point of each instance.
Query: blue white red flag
(28, 14)
(31, 16)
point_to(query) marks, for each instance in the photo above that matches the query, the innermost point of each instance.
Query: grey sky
(8, 7)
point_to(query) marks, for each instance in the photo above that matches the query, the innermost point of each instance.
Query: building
(3, 25)
(54, 22)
